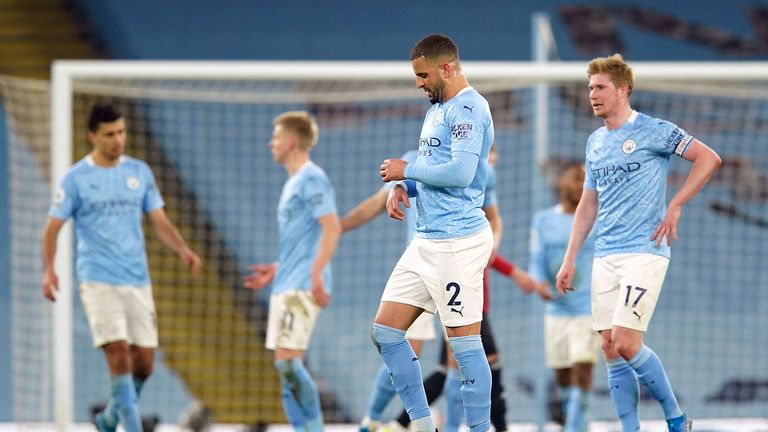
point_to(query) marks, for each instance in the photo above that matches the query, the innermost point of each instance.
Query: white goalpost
(203, 128)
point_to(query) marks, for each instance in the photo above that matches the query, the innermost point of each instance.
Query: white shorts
(423, 328)
(120, 313)
(444, 276)
(625, 289)
(569, 340)
(292, 316)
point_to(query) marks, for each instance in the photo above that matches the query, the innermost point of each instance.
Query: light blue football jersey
(628, 168)
(307, 196)
(550, 232)
(107, 205)
(463, 123)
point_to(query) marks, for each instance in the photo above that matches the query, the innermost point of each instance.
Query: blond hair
(615, 67)
(302, 124)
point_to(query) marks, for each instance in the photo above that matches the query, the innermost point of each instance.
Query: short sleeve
(466, 129)
(152, 198)
(319, 196)
(589, 179)
(670, 138)
(65, 199)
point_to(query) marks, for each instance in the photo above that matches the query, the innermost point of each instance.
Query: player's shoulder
(469, 103)
(314, 173)
(543, 214)
(132, 162)
(646, 121)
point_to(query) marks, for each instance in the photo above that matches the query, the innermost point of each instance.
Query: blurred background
(207, 144)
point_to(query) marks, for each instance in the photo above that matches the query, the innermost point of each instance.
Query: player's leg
(622, 381)
(583, 348)
(563, 377)
(292, 318)
(642, 276)
(454, 404)
(556, 358)
(141, 323)
(105, 307)
(459, 298)
(433, 387)
(622, 385)
(404, 298)
(383, 390)
(498, 396)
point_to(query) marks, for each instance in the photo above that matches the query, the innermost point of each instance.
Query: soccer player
(309, 231)
(625, 191)
(442, 268)
(106, 194)
(571, 346)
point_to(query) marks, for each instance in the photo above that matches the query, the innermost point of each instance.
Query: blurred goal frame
(65, 73)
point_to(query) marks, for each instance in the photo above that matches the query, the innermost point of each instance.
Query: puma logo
(469, 108)
(458, 311)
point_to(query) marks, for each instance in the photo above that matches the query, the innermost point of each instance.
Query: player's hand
(668, 226)
(544, 291)
(392, 169)
(191, 260)
(564, 279)
(524, 280)
(261, 276)
(50, 285)
(397, 195)
(322, 298)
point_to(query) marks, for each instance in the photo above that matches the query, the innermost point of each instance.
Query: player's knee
(142, 371)
(626, 347)
(608, 348)
(381, 334)
(284, 369)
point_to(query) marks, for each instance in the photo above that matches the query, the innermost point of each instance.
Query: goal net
(204, 129)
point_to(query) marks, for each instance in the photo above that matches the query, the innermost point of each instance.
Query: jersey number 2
(453, 301)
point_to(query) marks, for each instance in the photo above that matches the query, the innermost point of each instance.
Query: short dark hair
(435, 46)
(102, 114)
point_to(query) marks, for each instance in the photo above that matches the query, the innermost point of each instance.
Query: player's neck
(618, 118)
(295, 161)
(454, 88)
(102, 161)
(568, 206)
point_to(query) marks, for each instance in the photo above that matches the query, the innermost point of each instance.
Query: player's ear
(445, 70)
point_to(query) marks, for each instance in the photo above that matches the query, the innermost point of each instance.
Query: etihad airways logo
(614, 174)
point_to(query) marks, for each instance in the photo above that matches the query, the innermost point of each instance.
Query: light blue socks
(383, 391)
(476, 381)
(126, 402)
(625, 393)
(301, 400)
(651, 374)
(454, 406)
(405, 371)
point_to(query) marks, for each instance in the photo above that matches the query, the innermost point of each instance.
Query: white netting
(206, 141)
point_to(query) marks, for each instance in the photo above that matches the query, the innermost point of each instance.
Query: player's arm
(458, 172)
(364, 212)
(538, 263)
(583, 219)
(705, 163)
(48, 252)
(330, 231)
(168, 233)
